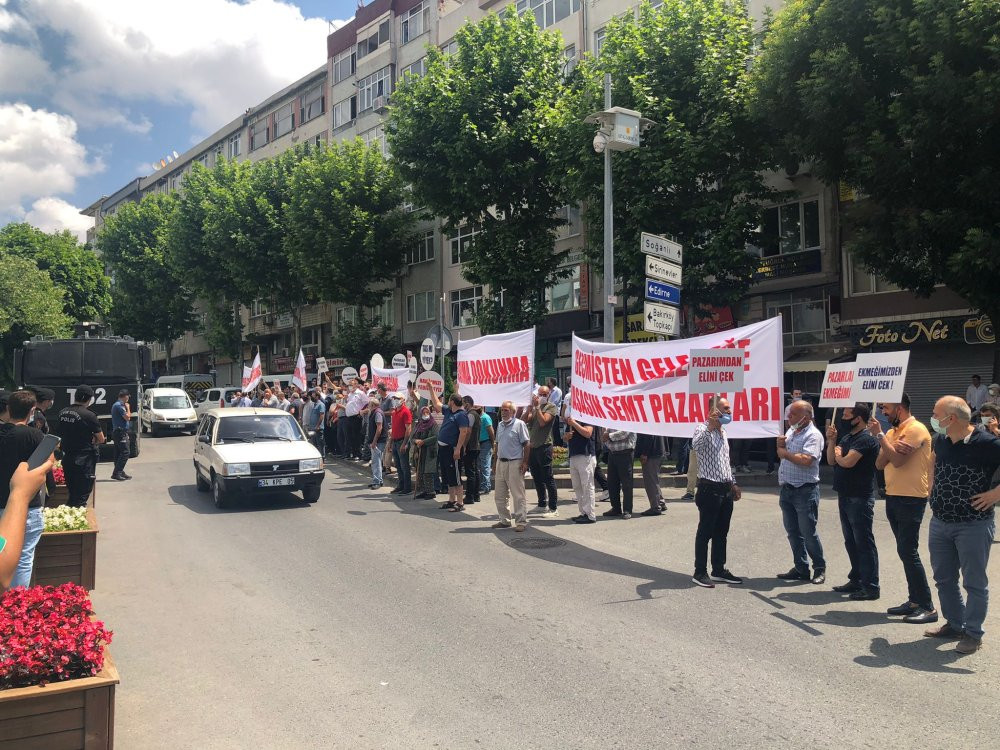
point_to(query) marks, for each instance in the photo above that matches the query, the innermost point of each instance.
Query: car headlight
(155, 415)
(310, 464)
(237, 470)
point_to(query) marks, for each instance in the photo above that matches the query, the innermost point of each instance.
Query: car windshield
(171, 402)
(258, 427)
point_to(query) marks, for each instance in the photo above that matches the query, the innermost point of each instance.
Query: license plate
(277, 482)
(177, 426)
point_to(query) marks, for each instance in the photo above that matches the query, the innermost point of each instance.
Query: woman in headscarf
(423, 454)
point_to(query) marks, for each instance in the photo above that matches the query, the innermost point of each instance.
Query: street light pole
(609, 237)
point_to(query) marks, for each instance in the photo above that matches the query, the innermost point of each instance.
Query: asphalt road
(366, 622)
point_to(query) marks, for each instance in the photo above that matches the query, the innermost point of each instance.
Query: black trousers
(905, 515)
(540, 466)
(470, 462)
(714, 501)
(79, 469)
(354, 436)
(621, 483)
(123, 442)
(599, 479)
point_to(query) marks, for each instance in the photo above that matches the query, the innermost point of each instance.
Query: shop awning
(806, 365)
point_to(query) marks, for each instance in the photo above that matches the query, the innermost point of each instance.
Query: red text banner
(644, 387)
(395, 380)
(497, 368)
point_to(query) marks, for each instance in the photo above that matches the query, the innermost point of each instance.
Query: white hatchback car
(252, 451)
(167, 410)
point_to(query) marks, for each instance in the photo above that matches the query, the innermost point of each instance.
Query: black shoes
(652, 512)
(119, 477)
(626, 516)
(906, 608)
(794, 575)
(703, 580)
(850, 587)
(583, 519)
(819, 577)
(612, 513)
(865, 595)
(922, 617)
(724, 576)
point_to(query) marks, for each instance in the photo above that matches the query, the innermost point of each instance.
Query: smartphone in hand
(43, 451)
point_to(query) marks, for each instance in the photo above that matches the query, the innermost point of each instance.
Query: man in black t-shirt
(81, 433)
(853, 459)
(18, 441)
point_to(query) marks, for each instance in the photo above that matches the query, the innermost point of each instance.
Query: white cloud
(39, 156)
(216, 56)
(22, 70)
(55, 214)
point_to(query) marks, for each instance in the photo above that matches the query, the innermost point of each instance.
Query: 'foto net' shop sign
(644, 387)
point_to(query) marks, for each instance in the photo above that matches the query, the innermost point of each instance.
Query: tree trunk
(168, 345)
(297, 342)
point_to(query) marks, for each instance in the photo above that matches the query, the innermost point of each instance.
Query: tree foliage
(897, 99)
(358, 340)
(151, 299)
(74, 269)
(474, 137)
(696, 176)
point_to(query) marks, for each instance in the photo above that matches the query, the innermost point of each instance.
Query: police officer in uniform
(121, 416)
(81, 434)
(44, 397)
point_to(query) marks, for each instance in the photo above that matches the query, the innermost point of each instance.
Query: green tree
(348, 232)
(30, 305)
(151, 300)
(897, 99)
(474, 137)
(73, 268)
(358, 340)
(696, 176)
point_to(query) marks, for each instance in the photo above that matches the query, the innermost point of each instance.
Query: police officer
(121, 416)
(81, 434)
(44, 397)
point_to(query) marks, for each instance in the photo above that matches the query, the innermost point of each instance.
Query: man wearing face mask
(800, 450)
(905, 455)
(81, 434)
(853, 460)
(962, 525)
(993, 395)
(538, 418)
(715, 497)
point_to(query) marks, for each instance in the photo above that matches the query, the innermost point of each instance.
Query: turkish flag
(299, 375)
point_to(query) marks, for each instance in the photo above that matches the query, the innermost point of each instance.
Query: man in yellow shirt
(905, 455)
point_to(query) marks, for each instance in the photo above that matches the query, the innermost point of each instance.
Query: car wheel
(310, 494)
(143, 428)
(199, 482)
(218, 494)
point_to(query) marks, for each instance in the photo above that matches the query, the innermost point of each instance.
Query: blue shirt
(808, 440)
(484, 422)
(453, 422)
(313, 414)
(118, 421)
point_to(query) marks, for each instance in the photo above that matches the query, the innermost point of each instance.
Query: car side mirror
(204, 439)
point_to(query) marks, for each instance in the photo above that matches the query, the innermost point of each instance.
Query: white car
(252, 451)
(167, 410)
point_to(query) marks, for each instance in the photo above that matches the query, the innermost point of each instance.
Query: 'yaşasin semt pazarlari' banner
(644, 387)
(395, 380)
(497, 368)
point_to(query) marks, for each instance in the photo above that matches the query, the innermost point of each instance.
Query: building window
(548, 12)
(320, 140)
(259, 134)
(570, 65)
(346, 315)
(234, 145)
(383, 314)
(421, 306)
(376, 137)
(312, 340)
(345, 111)
(460, 242)
(860, 281)
(450, 47)
(344, 65)
(203, 160)
(373, 41)
(284, 120)
(572, 225)
(790, 228)
(424, 249)
(415, 22)
(599, 41)
(418, 69)
(464, 306)
(370, 88)
(175, 181)
(260, 307)
(565, 293)
(805, 316)
(313, 104)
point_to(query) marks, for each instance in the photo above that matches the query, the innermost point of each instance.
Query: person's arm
(545, 416)
(699, 437)
(800, 459)
(435, 402)
(463, 437)
(378, 429)
(99, 438)
(526, 455)
(24, 485)
(848, 461)
(407, 433)
(492, 433)
(582, 430)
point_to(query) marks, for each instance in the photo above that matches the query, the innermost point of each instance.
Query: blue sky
(93, 91)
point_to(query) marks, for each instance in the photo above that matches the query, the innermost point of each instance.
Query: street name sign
(661, 247)
(658, 291)
(664, 270)
(661, 319)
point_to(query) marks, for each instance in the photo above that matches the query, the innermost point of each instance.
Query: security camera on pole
(620, 131)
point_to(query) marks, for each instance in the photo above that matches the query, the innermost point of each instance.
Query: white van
(191, 383)
(167, 410)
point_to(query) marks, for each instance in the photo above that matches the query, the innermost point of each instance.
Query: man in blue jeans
(962, 524)
(853, 459)
(18, 441)
(800, 450)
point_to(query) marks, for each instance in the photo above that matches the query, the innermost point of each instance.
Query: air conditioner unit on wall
(380, 103)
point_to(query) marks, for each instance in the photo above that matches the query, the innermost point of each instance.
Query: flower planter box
(71, 715)
(67, 557)
(58, 497)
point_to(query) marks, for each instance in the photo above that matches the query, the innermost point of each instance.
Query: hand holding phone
(44, 450)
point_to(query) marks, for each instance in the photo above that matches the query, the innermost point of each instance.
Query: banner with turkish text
(644, 387)
(395, 380)
(497, 368)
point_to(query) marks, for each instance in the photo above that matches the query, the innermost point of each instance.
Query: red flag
(299, 375)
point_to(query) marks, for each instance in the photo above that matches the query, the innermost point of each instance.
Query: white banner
(395, 380)
(643, 387)
(497, 368)
(880, 377)
(838, 385)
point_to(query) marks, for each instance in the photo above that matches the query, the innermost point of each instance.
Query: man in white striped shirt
(715, 497)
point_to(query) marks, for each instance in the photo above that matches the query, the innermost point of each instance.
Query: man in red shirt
(402, 424)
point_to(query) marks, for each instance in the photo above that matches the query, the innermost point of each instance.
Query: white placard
(838, 386)
(497, 368)
(348, 374)
(377, 361)
(412, 364)
(321, 365)
(428, 380)
(880, 377)
(716, 371)
(427, 353)
(363, 372)
(398, 361)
